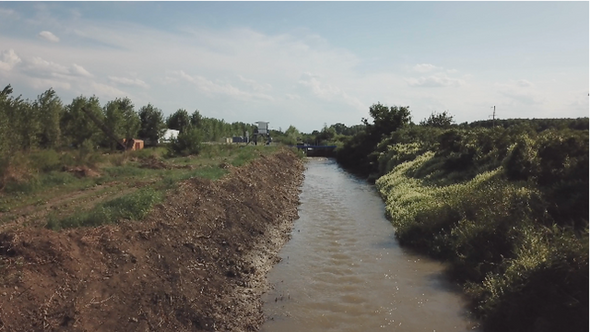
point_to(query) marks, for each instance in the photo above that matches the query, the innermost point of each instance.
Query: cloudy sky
(305, 63)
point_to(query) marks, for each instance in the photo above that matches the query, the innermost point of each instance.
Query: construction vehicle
(263, 131)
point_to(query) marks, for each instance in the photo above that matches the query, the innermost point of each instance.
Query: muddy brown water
(343, 269)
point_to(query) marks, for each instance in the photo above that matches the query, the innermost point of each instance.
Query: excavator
(263, 131)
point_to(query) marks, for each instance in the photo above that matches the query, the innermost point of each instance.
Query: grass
(43, 182)
(133, 206)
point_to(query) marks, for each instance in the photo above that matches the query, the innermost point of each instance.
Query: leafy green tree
(77, 126)
(50, 109)
(152, 124)
(386, 120)
(6, 134)
(131, 121)
(121, 119)
(439, 120)
(196, 119)
(291, 136)
(326, 136)
(359, 153)
(180, 120)
(20, 122)
(187, 143)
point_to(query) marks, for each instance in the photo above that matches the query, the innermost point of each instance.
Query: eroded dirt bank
(197, 263)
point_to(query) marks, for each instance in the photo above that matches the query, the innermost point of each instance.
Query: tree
(152, 124)
(326, 136)
(439, 120)
(179, 120)
(386, 120)
(121, 119)
(358, 153)
(6, 134)
(50, 110)
(76, 125)
(291, 135)
(196, 119)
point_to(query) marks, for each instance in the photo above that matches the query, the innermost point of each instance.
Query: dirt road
(197, 263)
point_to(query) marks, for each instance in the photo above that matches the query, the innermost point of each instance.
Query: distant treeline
(47, 123)
(504, 201)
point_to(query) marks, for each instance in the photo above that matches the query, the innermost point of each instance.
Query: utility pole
(494, 117)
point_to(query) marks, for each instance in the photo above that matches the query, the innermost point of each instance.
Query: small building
(169, 135)
(133, 144)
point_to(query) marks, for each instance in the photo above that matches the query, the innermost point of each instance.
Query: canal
(343, 269)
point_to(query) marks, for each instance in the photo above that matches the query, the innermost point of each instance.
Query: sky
(306, 64)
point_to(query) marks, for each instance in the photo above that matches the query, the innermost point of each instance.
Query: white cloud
(220, 88)
(37, 66)
(424, 68)
(8, 59)
(7, 13)
(106, 91)
(524, 83)
(80, 71)
(129, 81)
(47, 35)
(291, 96)
(521, 91)
(434, 81)
(255, 85)
(328, 91)
(43, 84)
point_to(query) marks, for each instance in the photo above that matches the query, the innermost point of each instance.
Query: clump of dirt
(197, 263)
(81, 171)
(153, 162)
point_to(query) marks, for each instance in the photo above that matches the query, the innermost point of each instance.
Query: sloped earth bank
(197, 263)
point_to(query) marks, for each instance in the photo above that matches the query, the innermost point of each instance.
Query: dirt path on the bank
(197, 263)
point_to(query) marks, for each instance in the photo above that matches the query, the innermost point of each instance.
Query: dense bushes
(508, 207)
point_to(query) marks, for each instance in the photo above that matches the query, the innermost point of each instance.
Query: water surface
(343, 270)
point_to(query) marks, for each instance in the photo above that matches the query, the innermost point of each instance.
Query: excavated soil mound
(197, 263)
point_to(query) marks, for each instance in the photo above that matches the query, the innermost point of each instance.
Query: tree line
(48, 123)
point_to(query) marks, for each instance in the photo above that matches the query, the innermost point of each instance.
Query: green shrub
(544, 287)
(46, 160)
(187, 143)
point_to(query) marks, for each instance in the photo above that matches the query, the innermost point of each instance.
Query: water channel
(343, 270)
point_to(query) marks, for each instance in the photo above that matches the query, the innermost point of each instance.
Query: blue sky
(305, 63)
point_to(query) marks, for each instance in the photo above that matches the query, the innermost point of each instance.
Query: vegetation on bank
(506, 205)
(59, 169)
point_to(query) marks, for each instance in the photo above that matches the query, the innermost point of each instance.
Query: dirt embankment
(197, 263)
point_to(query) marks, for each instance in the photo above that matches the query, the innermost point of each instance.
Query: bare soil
(198, 262)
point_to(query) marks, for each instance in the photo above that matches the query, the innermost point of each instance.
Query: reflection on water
(343, 270)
